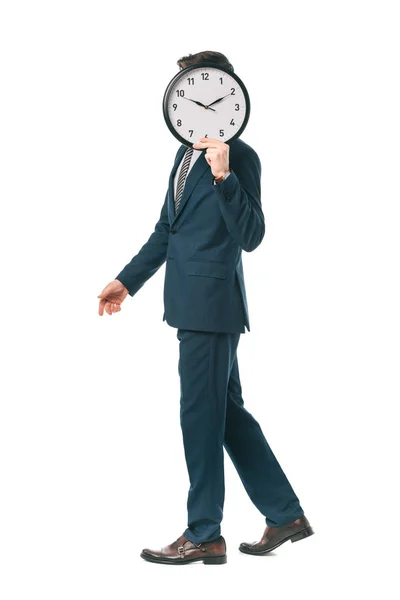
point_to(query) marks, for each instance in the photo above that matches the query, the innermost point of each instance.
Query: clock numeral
(191, 80)
(221, 133)
(221, 80)
(191, 132)
(179, 122)
(236, 106)
(180, 92)
(174, 106)
(205, 76)
(233, 91)
(232, 122)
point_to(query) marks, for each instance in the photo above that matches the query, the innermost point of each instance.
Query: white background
(92, 463)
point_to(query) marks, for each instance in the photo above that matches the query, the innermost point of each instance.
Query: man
(212, 211)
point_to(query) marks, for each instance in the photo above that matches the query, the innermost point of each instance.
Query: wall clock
(206, 100)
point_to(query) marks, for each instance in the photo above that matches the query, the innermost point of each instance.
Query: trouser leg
(260, 472)
(205, 360)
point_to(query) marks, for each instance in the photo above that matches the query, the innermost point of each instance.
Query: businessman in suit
(211, 212)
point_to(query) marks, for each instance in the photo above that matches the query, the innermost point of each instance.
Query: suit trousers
(213, 417)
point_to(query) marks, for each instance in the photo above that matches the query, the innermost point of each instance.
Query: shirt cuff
(216, 183)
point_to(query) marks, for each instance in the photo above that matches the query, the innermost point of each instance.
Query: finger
(201, 145)
(206, 139)
(101, 307)
(210, 143)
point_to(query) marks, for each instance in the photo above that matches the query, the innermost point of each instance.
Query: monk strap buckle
(181, 550)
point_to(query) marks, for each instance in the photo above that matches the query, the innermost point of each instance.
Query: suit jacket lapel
(192, 178)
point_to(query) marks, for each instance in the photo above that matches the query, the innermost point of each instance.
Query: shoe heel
(215, 560)
(302, 534)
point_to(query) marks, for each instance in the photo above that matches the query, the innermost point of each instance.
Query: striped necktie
(182, 177)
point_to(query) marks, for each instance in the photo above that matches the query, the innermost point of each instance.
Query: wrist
(221, 176)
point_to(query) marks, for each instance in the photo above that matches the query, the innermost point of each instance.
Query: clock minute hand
(197, 102)
(219, 100)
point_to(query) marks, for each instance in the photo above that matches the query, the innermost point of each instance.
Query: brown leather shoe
(275, 536)
(183, 551)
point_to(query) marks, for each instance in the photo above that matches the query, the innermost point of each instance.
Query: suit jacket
(202, 244)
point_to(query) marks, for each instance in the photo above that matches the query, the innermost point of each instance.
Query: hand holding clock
(217, 154)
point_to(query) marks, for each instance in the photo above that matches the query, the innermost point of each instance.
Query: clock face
(206, 101)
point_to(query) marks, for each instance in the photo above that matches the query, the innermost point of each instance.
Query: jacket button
(173, 231)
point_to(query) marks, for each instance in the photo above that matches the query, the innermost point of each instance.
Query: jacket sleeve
(150, 257)
(239, 198)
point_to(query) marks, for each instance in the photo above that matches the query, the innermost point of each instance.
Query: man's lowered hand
(111, 297)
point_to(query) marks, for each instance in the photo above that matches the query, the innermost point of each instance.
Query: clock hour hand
(219, 100)
(197, 102)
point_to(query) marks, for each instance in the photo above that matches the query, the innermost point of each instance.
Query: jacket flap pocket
(206, 269)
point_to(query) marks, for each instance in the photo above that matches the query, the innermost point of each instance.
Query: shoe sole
(300, 535)
(209, 560)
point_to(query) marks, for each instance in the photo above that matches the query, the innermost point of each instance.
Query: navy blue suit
(205, 299)
(202, 244)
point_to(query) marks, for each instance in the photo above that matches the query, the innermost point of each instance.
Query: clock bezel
(209, 65)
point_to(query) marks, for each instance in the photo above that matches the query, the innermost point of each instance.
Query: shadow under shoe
(275, 536)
